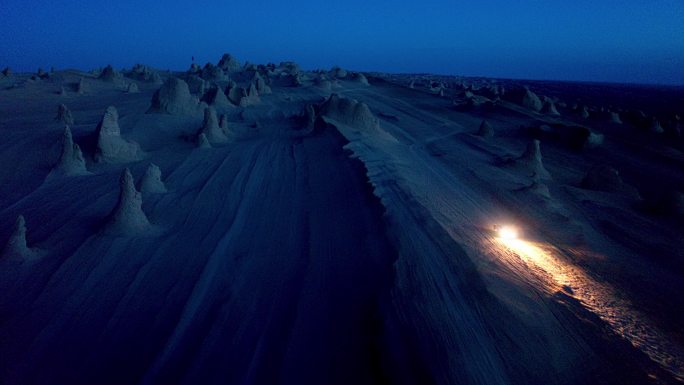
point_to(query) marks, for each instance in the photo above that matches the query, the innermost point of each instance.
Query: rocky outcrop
(531, 160)
(210, 127)
(71, 160)
(215, 97)
(212, 72)
(260, 84)
(151, 182)
(111, 147)
(64, 115)
(360, 78)
(174, 98)
(132, 88)
(485, 130)
(228, 63)
(339, 73)
(531, 100)
(349, 112)
(127, 218)
(614, 117)
(251, 98)
(202, 141)
(17, 249)
(109, 74)
(82, 87)
(549, 108)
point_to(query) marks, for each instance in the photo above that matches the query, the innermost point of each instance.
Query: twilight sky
(598, 40)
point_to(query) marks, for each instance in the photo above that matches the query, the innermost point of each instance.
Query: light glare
(507, 232)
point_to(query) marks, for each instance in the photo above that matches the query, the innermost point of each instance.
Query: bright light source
(508, 232)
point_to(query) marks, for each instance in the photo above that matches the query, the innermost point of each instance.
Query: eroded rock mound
(260, 84)
(210, 127)
(127, 218)
(549, 108)
(350, 112)
(251, 98)
(216, 98)
(531, 100)
(16, 248)
(151, 182)
(132, 88)
(82, 87)
(71, 160)
(358, 77)
(202, 141)
(109, 74)
(111, 147)
(531, 159)
(339, 73)
(614, 117)
(144, 73)
(64, 115)
(228, 63)
(174, 98)
(485, 130)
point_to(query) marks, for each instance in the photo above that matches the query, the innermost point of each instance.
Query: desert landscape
(265, 224)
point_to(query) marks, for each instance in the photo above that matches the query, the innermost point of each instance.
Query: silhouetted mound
(358, 77)
(583, 112)
(485, 130)
(349, 112)
(210, 127)
(251, 98)
(216, 98)
(655, 127)
(132, 88)
(531, 159)
(228, 63)
(614, 117)
(151, 182)
(289, 67)
(531, 100)
(144, 73)
(7, 72)
(212, 72)
(40, 75)
(323, 83)
(64, 115)
(71, 160)
(607, 179)
(82, 86)
(111, 147)
(127, 218)
(225, 127)
(202, 141)
(339, 73)
(174, 98)
(235, 93)
(16, 248)
(109, 74)
(549, 108)
(261, 86)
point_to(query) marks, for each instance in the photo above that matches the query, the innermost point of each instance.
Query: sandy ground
(344, 254)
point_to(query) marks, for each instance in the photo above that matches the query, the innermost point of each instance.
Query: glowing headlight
(507, 232)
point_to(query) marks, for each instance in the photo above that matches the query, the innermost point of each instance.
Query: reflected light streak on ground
(542, 261)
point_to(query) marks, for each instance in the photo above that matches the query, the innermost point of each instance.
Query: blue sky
(619, 41)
